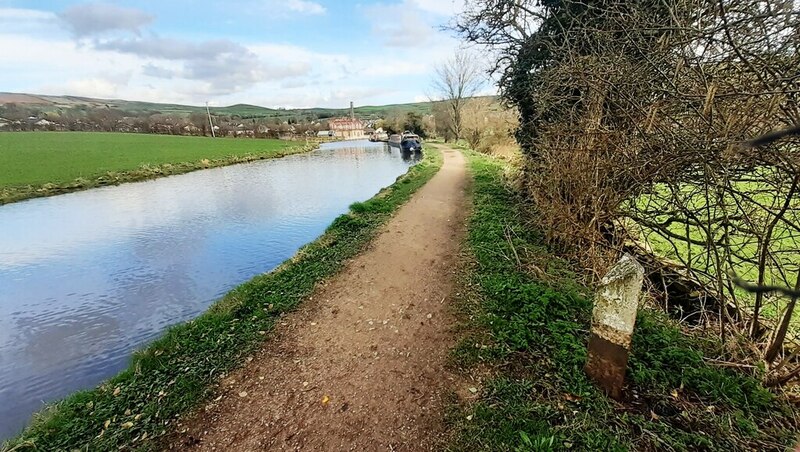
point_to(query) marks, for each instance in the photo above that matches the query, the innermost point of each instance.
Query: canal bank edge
(177, 372)
(144, 172)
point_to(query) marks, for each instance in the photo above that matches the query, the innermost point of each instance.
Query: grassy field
(134, 410)
(524, 327)
(31, 158)
(45, 163)
(743, 243)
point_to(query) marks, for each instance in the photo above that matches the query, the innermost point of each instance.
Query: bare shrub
(488, 125)
(632, 119)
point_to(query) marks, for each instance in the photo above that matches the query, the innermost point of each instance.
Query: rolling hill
(60, 105)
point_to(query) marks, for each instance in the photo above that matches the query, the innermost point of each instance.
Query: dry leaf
(117, 390)
(127, 425)
(243, 394)
(473, 390)
(325, 400)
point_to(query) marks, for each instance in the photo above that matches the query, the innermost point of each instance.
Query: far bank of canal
(88, 277)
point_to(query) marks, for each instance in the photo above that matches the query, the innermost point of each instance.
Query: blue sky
(288, 53)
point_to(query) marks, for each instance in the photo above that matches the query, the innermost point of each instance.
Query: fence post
(613, 319)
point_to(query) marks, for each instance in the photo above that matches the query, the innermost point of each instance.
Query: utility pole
(213, 135)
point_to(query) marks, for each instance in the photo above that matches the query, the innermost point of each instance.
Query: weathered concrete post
(613, 318)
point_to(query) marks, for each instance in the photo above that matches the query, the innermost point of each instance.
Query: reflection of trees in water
(352, 151)
(411, 156)
(405, 155)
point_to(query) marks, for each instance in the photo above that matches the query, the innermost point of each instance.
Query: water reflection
(410, 156)
(88, 277)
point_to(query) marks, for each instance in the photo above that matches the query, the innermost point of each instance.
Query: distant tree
(413, 123)
(104, 118)
(442, 122)
(456, 80)
(200, 120)
(13, 112)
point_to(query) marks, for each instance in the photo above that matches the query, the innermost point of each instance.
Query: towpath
(361, 365)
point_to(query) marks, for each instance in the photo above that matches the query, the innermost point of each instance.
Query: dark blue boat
(407, 142)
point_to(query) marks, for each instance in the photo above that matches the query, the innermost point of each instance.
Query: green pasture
(784, 258)
(36, 158)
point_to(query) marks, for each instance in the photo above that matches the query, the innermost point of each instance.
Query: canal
(86, 278)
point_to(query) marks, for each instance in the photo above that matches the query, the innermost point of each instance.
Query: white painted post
(208, 111)
(613, 319)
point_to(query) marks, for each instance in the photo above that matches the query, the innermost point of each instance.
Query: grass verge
(173, 374)
(35, 164)
(525, 335)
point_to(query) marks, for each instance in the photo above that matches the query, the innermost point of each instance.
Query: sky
(273, 53)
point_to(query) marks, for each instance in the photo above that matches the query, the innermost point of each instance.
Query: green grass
(175, 373)
(30, 158)
(526, 324)
(45, 163)
(743, 243)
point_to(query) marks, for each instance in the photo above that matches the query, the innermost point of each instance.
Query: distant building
(348, 128)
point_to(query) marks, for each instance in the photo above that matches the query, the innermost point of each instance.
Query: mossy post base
(613, 319)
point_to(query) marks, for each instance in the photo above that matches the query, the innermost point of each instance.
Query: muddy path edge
(361, 365)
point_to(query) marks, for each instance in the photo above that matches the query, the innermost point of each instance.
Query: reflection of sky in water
(87, 277)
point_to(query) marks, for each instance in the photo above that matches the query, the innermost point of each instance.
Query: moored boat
(379, 135)
(407, 141)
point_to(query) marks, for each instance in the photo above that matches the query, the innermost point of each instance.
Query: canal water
(88, 277)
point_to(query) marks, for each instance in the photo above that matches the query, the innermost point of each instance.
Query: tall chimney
(352, 111)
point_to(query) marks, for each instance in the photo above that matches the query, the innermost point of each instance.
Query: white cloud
(14, 15)
(447, 8)
(92, 87)
(305, 7)
(125, 58)
(26, 21)
(412, 23)
(89, 19)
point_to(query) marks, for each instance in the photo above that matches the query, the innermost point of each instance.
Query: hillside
(60, 105)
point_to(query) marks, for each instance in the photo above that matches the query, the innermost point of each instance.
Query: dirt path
(361, 365)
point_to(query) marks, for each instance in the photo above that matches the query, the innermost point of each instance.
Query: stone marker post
(613, 318)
